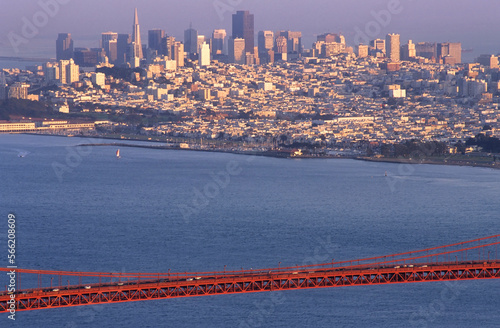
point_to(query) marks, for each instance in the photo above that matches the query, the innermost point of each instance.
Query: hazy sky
(474, 23)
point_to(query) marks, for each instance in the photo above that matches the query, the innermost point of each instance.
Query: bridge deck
(175, 286)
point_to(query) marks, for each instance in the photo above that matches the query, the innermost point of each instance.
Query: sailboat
(118, 154)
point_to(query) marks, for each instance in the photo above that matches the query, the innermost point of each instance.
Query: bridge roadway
(192, 285)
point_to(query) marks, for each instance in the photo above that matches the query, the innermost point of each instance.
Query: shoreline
(276, 154)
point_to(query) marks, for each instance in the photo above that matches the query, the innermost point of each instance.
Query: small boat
(385, 173)
(118, 153)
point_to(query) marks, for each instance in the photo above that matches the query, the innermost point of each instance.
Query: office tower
(426, 50)
(136, 38)
(88, 57)
(64, 46)
(237, 50)
(191, 40)
(450, 49)
(408, 51)
(204, 54)
(154, 39)
(108, 36)
(329, 38)
(392, 47)
(218, 42)
(378, 45)
(109, 41)
(265, 41)
(281, 45)
(167, 44)
(294, 41)
(488, 60)
(201, 40)
(123, 44)
(362, 50)
(331, 49)
(178, 53)
(265, 45)
(243, 28)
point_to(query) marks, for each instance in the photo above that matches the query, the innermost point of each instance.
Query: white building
(204, 54)
(99, 79)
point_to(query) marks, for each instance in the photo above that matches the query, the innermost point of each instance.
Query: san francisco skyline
(453, 21)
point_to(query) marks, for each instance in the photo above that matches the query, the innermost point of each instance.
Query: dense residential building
(243, 28)
(18, 91)
(64, 46)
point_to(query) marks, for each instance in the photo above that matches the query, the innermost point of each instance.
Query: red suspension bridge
(474, 259)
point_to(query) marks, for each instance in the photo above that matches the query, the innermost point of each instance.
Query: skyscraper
(362, 50)
(378, 45)
(237, 51)
(294, 41)
(218, 42)
(136, 38)
(408, 51)
(486, 60)
(154, 39)
(265, 41)
(281, 45)
(450, 49)
(201, 40)
(191, 40)
(243, 28)
(204, 54)
(123, 43)
(64, 46)
(110, 45)
(392, 44)
(167, 44)
(179, 51)
(426, 50)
